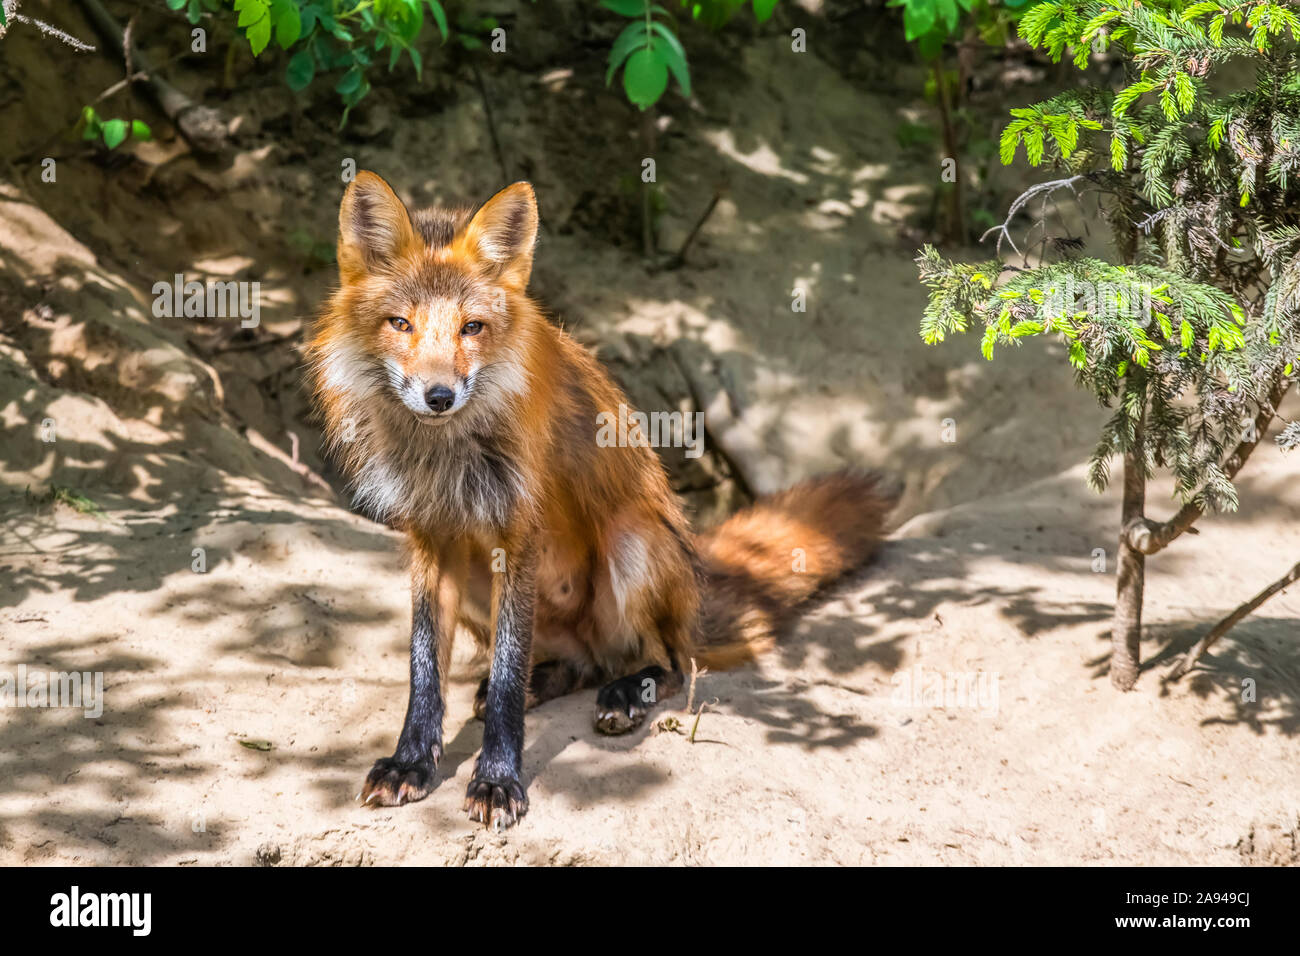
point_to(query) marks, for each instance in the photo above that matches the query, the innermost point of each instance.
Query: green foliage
(930, 23)
(469, 30)
(59, 494)
(1136, 335)
(343, 37)
(648, 49)
(346, 38)
(1200, 323)
(1165, 109)
(716, 14)
(112, 132)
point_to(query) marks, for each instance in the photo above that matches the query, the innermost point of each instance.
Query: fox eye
(399, 323)
(472, 328)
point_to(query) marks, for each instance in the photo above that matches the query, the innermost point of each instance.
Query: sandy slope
(295, 633)
(294, 636)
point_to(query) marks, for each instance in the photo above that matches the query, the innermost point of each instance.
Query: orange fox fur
(431, 311)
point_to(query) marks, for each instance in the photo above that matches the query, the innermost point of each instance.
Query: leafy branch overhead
(342, 36)
(348, 37)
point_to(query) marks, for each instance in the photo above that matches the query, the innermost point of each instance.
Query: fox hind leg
(622, 705)
(548, 680)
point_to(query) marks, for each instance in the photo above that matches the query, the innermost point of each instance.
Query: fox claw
(498, 804)
(392, 783)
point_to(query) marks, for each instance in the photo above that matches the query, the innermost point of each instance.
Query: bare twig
(1040, 189)
(1229, 622)
(13, 16)
(679, 260)
(690, 693)
(137, 77)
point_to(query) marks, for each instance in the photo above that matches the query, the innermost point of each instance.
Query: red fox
(462, 416)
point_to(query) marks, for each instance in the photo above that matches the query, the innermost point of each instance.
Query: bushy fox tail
(763, 562)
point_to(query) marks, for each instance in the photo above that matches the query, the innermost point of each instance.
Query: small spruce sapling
(1191, 335)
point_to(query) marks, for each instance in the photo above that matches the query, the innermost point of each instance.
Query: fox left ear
(503, 233)
(374, 226)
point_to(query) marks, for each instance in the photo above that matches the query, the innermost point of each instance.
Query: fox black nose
(440, 398)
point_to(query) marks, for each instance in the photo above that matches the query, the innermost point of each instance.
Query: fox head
(425, 315)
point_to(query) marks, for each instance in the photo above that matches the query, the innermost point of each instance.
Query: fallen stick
(679, 260)
(203, 127)
(1229, 622)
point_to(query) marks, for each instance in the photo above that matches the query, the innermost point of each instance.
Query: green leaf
(918, 18)
(259, 35)
(626, 8)
(288, 25)
(114, 131)
(251, 11)
(645, 77)
(350, 81)
(140, 130)
(439, 17)
(674, 56)
(1010, 140)
(986, 344)
(763, 10)
(302, 70)
(92, 121)
(1118, 152)
(634, 35)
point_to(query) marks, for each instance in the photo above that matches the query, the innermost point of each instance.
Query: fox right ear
(374, 226)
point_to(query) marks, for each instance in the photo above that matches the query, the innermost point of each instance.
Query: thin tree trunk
(956, 225)
(1126, 626)
(648, 244)
(1152, 536)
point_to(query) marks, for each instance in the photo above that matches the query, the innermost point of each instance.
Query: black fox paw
(497, 803)
(619, 708)
(392, 782)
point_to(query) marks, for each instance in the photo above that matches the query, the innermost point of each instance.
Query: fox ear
(374, 226)
(503, 232)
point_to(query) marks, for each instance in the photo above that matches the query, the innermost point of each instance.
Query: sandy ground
(849, 744)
